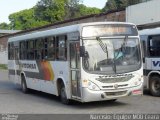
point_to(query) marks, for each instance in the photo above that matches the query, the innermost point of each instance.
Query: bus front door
(16, 64)
(75, 69)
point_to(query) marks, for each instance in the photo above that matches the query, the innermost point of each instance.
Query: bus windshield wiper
(103, 46)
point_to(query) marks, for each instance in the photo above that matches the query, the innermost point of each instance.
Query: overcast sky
(8, 7)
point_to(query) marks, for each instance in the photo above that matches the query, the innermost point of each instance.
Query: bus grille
(115, 93)
(115, 80)
(111, 86)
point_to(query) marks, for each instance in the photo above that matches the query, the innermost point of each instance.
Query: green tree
(110, 5)
(25, 19)
(71, 8)
(4, 26)
(56, 10)
(82, 10)
(118, 4)
(50, 10)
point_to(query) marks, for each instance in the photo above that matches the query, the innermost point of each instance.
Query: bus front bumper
(101, 95)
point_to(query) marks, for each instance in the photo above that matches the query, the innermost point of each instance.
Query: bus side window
(38, 48)
(11, 51)
(8, 51)
(62, 49)
(154, 43)
(45, 51)
(51, 48)
(30, 50)
(22, 50)
(75, 55)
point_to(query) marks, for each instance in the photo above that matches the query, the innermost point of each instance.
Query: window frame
(149, 46)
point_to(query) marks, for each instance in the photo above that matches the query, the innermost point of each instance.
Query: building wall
(2, 34)
(146, 13)
(110, 16)
(3, 57)
(3, 43)
(3, 50)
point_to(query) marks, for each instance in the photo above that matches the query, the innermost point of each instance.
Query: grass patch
(3, 66)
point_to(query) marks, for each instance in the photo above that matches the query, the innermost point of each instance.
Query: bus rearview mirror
(82, 51)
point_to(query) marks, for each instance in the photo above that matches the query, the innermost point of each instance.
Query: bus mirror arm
(143, 59)
(82, 51)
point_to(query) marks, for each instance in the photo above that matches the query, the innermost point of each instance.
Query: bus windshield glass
(109, 30)
(111, 55)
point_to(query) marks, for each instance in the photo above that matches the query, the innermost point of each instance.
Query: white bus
(85, 62)
(150, 39)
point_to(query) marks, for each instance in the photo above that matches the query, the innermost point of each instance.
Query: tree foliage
(25, 20)
(82, 10)
(117, 4)
(49, 11)
(4, 26)
(71, 8)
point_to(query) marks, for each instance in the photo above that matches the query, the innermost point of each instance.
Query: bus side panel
(44, 77)
(56, 70)
(152, 67)
(61, 71)
(13, 72)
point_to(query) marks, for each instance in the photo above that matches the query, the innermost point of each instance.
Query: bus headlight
(92, 86)
(139, 81)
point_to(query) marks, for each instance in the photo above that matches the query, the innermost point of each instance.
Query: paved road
(12, 100)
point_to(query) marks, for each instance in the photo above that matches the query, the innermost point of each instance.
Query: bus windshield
(111, 55)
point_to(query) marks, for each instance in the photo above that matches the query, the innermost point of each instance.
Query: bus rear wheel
(154, 86)
(24, 85)
(63, 95)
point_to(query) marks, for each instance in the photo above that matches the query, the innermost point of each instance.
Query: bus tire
(63, 95)
(154, 86)
(24, 85)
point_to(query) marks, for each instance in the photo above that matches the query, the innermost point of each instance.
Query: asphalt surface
(12, 100)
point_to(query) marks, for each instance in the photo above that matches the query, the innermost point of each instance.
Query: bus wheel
(24, 85)
(63, 95)
(154, 86)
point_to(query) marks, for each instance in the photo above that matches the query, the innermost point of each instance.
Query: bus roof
(59, 31)
(153, 31)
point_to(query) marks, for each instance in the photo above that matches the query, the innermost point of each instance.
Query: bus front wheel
(24, 85)
(154, 86)
(63, 95)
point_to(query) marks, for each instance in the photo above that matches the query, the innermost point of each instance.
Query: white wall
(3, 55)
(144, 13)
